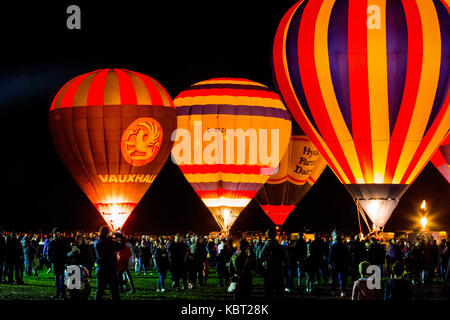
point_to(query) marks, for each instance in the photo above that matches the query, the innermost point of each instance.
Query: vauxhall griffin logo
(141, 141)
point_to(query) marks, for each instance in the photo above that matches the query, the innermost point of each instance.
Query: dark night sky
(178, 46)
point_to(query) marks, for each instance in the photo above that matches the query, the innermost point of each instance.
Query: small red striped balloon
(299, 169)
(368, 83)
(112, 129)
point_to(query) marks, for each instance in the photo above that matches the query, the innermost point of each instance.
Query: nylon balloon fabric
(112, 130)
(441, 159)
(231, 135)
(368, 83)
(299, 169)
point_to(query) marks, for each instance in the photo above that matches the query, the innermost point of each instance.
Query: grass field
(42, 287)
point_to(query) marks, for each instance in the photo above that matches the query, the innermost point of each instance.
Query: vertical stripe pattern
(373, 97)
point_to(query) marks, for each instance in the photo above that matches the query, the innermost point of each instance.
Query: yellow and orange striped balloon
(221, 147)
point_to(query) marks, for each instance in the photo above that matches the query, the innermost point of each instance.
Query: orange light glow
(424, 222)
(115, 214)
(423, 206)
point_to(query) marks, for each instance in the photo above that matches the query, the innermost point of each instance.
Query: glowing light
(424, 222)
(423, 206)
(373, 207)
(379, 210)
(226, 202)
(226, 217)
(115, 213)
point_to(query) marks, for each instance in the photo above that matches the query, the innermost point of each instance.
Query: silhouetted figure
(273, 260)
(300, 254)
(106, 249)
(240, 268)
(2, 256)
(357, 255)
(223, 258)
(14, 259)
(397, 288)
(57, 255)
(178, 251)
(338, 261)
(161, 264)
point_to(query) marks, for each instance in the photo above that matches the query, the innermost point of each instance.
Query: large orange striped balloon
(231, 135)
(112, 129)
(441, 158)
(368, 82)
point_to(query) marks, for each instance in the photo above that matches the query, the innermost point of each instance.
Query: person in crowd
(338, 262)
(29, 254)
(127, 275)
(203, 255)
(178, 253)
(433, 265)
(443, 258)
(161, 264)
(45, 261)
(376, 253)
(195, 263)
(300, 254)
(393, 254)
(123, 259)
(425, 272)
(35, 266)
(447, 281)
(57, 255)
(79, 254)
(223, 260)
(309, 267)
(361, 291)
(292, 265)
(106, 249)
(241, 270)
(324, 269)
(14, 259)
(416, 262)
(286, 266)
(273, 261)
(313, 261)
(357, 255)
(144, 255)
(257, 250)
(2, 256)
(397, 288)
(212, 252)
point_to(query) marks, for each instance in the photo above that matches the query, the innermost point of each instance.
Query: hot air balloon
(299, 169)
(112, 129)
(231, 136)
(368, 82)
(441, 159)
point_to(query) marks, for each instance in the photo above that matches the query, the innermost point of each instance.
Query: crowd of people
(330, 260)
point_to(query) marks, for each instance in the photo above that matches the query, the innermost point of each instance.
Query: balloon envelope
(441, 159)
(112, 129)
(299, 169)
(368, 84)
(231, 136)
